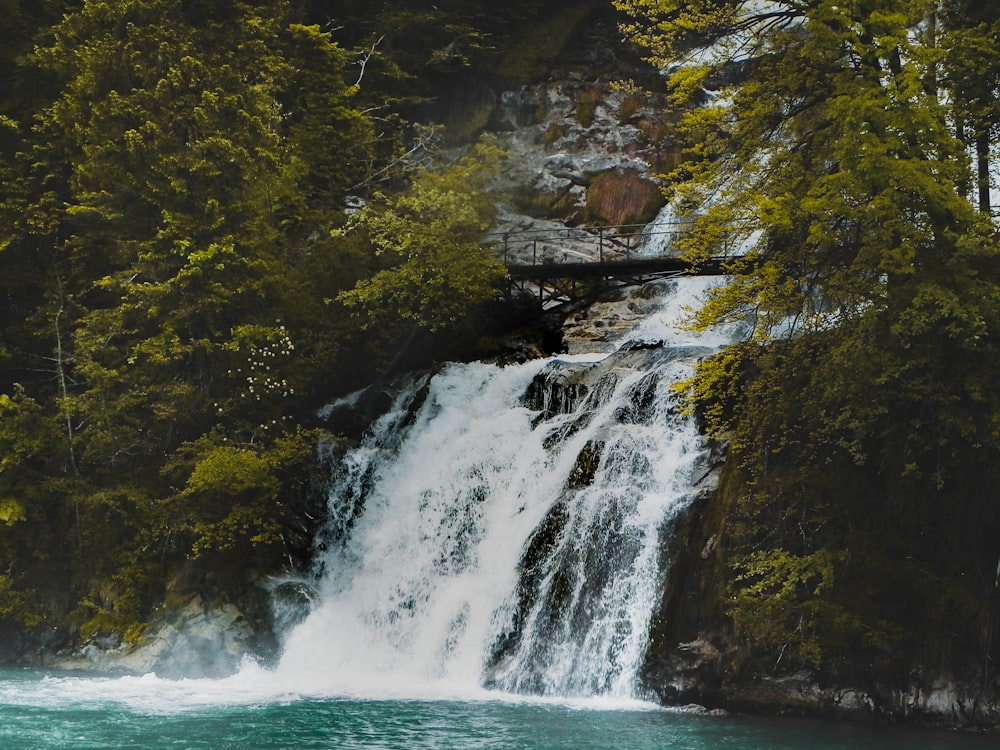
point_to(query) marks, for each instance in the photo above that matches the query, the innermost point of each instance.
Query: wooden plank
(617, 268)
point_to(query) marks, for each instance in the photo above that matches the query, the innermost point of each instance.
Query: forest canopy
(182, 279)
(845, 147)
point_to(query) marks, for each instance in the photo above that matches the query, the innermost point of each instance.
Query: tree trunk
(983, 171)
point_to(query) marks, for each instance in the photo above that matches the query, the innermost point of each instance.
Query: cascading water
(591, 573)
(508, 527)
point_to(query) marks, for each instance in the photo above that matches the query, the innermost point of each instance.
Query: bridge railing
(584, 244)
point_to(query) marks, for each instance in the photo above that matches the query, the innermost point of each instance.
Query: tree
(20, 96)
(971, 75)
(435, 270)
(863, 398)
(177, 168)
(164, 196)
(326, 130)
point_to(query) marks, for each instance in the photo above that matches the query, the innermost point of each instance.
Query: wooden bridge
(578, 264)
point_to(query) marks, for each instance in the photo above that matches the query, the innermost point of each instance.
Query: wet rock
(195, 640)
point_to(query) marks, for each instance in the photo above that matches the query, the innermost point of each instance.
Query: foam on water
(252, 686)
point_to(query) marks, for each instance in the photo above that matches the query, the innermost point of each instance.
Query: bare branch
(366, 57)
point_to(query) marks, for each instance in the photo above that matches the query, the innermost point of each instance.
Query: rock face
(942, 702)
(564, 171)
(696, 658)
(194, 640)
(585, 145)
(585, 150)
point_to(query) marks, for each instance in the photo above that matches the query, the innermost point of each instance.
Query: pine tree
(971, 75)
(160, 204)
(863, 397)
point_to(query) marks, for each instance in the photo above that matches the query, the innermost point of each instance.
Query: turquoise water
(39, 712)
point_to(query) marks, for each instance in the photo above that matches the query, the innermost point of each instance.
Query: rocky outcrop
(195, 639)
(940, 703)
(585, 145)
(695, 657)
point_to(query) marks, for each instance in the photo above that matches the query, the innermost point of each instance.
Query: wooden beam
(614, 269)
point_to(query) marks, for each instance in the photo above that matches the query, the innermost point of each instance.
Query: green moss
(554, 133)
(587, 463)
(586, 107)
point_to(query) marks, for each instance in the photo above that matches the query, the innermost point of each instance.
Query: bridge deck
(629, 267)
(572, 265)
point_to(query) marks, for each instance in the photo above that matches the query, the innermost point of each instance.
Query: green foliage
(23, 439)
(332, 140)
(227, 470)
(172, 183)
(779, 601)
(820, 610)
(233, 496)
(428, 237)
(165, 179)
(862, 401)
(14, 605)
(971, 74)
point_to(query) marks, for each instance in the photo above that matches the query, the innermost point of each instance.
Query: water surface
(49, 711)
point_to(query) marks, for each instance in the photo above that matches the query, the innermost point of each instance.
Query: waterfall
(508, 528)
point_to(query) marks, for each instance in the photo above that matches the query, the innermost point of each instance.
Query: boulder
(193, 640)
